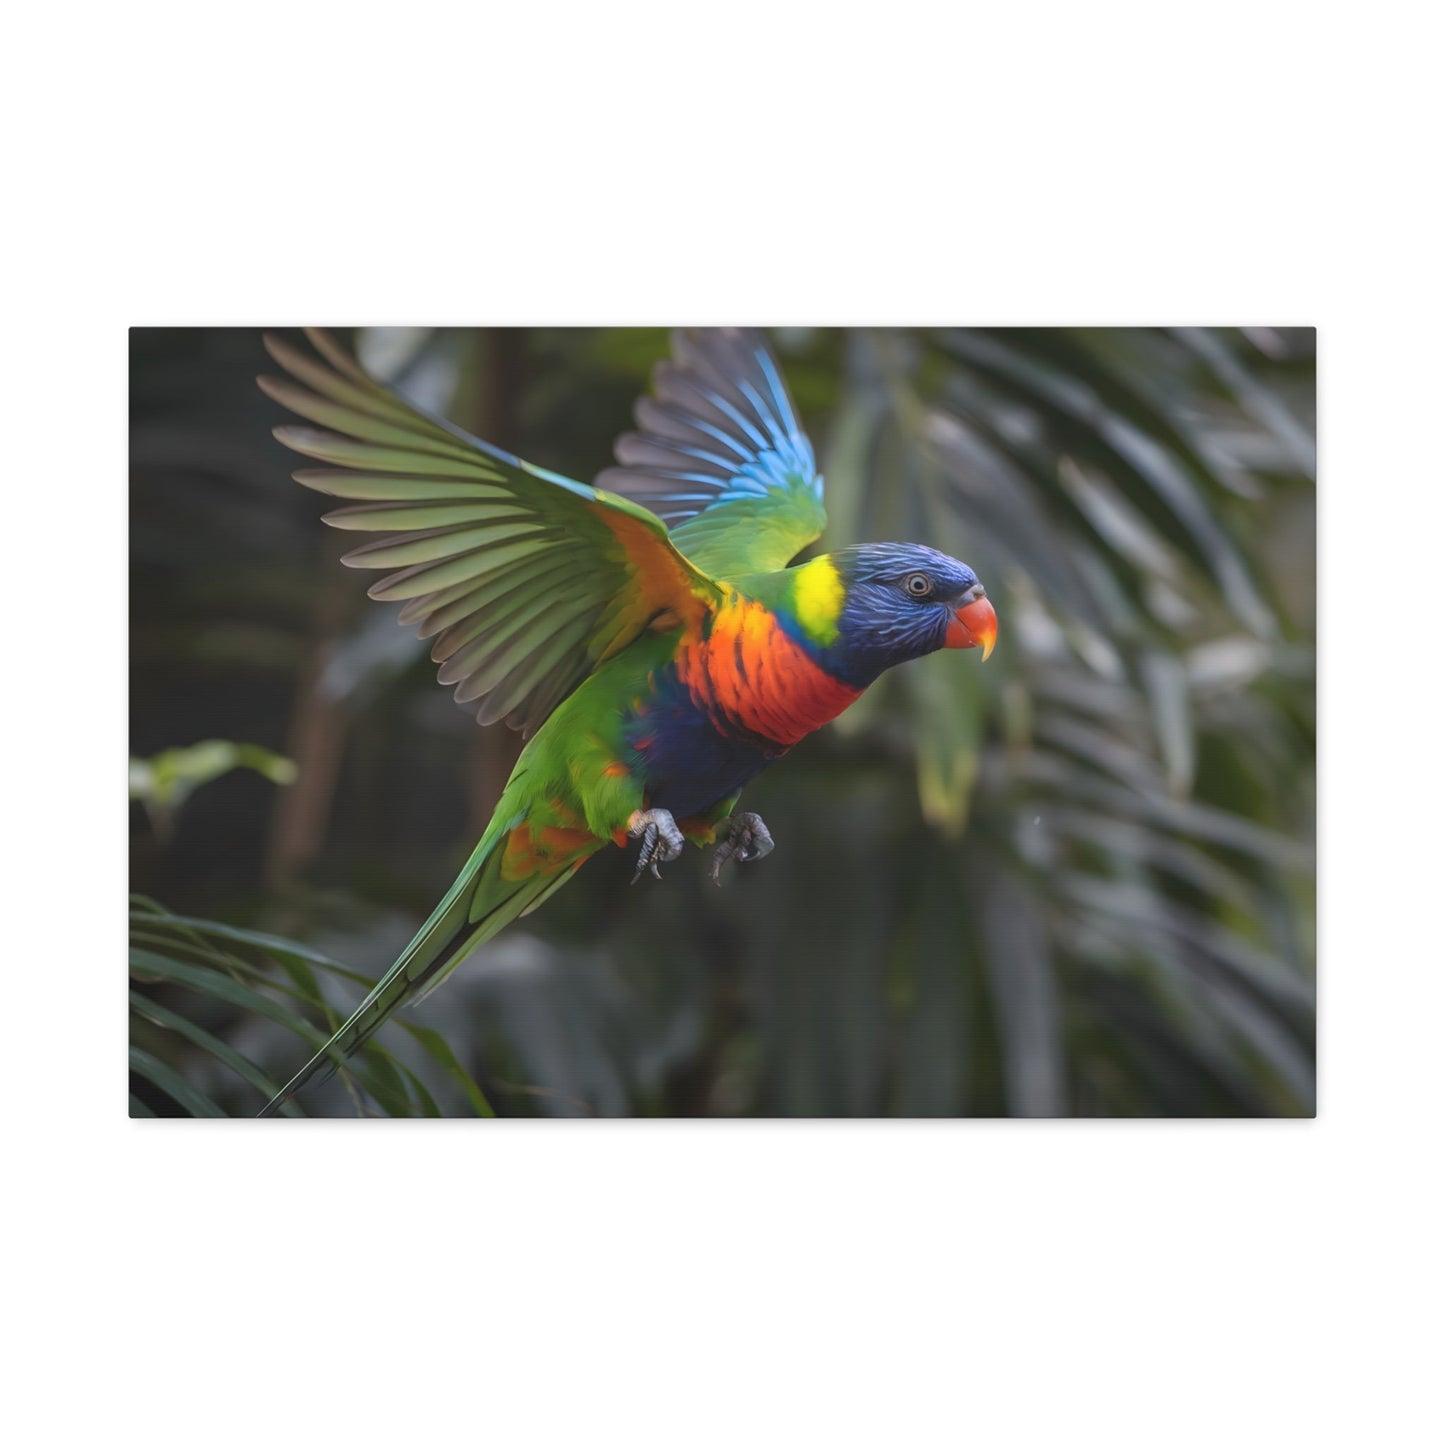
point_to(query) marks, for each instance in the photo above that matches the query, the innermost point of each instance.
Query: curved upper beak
(975, 624)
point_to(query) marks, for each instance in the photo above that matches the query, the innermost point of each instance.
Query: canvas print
(832, 722)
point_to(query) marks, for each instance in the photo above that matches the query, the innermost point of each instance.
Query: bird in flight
(645, 633)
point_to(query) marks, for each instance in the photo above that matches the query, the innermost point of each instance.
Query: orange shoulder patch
(544, 851)
(664, 585)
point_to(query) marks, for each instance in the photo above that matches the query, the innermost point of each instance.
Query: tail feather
(478, 905)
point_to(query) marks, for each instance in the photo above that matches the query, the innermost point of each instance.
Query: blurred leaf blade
(184, 953)
(171, 1082)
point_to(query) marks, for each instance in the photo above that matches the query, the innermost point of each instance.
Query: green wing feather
(526, 580)
(721, 458)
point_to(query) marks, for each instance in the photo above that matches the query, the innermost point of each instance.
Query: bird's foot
(745, 837)
(661, 839)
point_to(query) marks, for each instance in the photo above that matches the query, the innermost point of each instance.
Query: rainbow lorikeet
(645, 633)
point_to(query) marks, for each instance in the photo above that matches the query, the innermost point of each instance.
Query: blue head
(902, 601)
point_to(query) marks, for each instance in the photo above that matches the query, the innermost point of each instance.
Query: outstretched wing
(526, 580)
(720, 456)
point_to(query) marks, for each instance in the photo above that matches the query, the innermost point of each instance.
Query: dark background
(1078, 880)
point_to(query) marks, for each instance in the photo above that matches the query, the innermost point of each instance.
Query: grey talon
(661, 839)
(745, 838)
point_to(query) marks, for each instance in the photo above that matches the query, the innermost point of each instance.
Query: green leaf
(947, 703)
(164, 782)
(166, 1078)
(150, 966)
(268, 942)
(1166, 685)
(441, 1051)
(378, 1073)
(165, 1018)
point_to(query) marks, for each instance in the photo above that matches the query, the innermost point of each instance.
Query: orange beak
(973, 625)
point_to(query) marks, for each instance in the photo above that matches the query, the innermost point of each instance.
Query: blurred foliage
(1078, 880)
(163, 783)
(222, 971)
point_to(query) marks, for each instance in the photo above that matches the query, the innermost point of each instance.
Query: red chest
(748, 673)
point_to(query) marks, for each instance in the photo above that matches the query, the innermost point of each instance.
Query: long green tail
(477, 906)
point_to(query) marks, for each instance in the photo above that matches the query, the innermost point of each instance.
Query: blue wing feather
(720, 433)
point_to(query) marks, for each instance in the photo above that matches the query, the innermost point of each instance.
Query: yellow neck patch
(818, 600)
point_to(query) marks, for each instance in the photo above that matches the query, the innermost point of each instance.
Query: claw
(746, 839)
(661, 839)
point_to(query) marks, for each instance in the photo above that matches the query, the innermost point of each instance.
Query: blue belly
(689, 766)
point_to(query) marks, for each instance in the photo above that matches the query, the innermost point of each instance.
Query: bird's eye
(917, 585)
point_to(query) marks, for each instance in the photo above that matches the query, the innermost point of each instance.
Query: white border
(647, 163)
